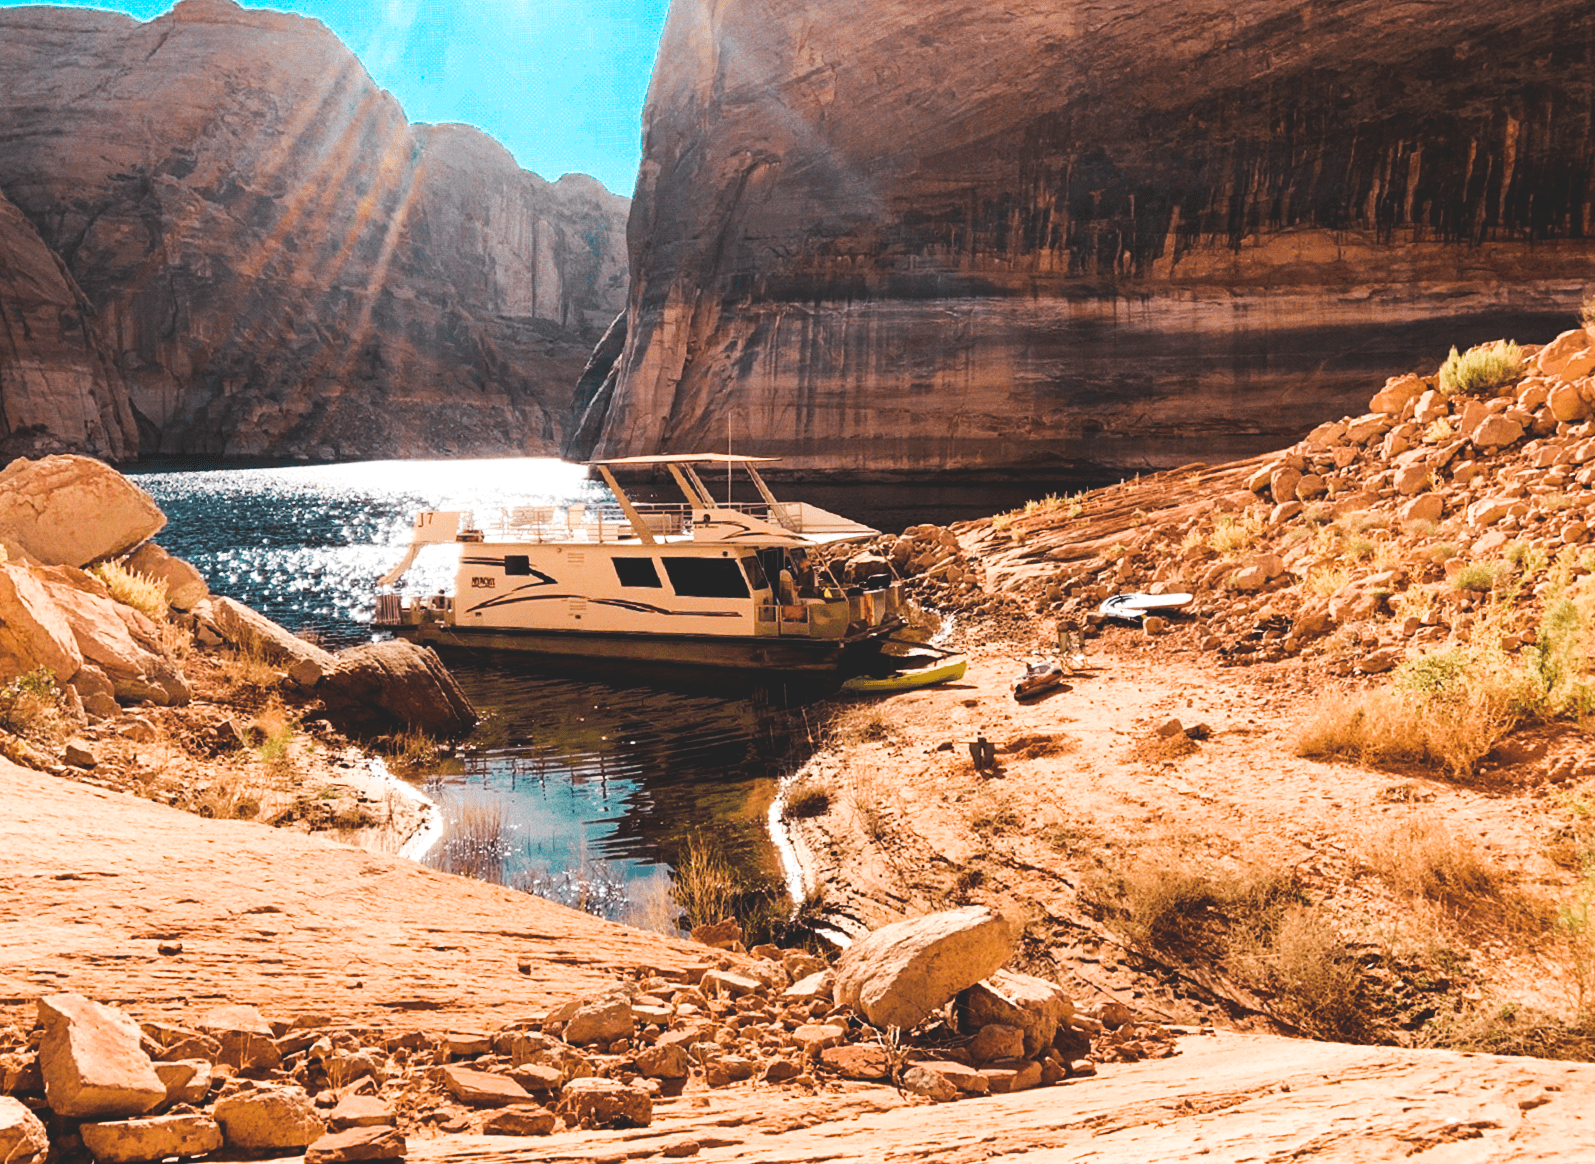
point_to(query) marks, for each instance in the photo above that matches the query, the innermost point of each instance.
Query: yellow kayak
(948, 669)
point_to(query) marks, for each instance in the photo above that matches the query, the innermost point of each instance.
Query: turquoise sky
(560, 82)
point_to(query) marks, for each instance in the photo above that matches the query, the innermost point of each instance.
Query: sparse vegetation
(1481, 369)
(1426, 859)
(30, 707)
(475, 843)
(130, 588)
(1233, 536)
(806, 798)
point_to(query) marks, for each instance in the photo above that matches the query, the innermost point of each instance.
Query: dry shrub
(412, 753)
(1481, 369)
(30, 708)
(806, 798)
(227, 799)
(867, 797)
(475, 842)
(1314, 976)
(1446, 710)
(994, 811)
(861, 725)
(1505, 1029)
(1426, 859)
(704, 882)
(133, 589)
(247, 671)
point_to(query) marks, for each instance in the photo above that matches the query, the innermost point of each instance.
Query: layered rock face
(277, 263)
(1055, 238)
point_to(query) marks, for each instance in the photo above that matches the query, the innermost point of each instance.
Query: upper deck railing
(606, 522)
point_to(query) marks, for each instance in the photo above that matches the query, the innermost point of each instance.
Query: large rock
(117, 639)
(1032, 1004)
(22, 1136)
(185, 586)
(601, 1020)
(34, 631)
(274, 261)
(268, 1120)
(92, 1063)
(482, 1088)
(606, 1103)
(250, 631)
(908, 229)
(134, 1141)
(379, 686)
(65, 510)
(900, 973)
(367, 1143)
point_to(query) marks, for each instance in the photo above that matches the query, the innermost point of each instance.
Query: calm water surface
(581, 785)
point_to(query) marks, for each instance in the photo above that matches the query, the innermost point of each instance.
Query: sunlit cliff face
(278, 263)
(1051, 237)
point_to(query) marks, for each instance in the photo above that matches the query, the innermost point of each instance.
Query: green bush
(1482, 369)
(1481, 575)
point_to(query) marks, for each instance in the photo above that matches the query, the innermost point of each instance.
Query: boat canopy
(688, 459)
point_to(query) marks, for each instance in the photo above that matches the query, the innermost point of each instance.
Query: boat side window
(706, 577)
(637, 572)
(755, 573)
(517, 565)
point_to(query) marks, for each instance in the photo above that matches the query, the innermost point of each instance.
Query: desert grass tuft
(131, 588)
(475, 842)
(1427, 859)
(1481, 369)
(807, 797)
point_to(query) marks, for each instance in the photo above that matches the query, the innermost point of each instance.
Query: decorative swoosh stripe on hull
(622, 603)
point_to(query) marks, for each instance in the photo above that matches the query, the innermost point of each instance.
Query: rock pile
(236, 1082)
(1373, 537)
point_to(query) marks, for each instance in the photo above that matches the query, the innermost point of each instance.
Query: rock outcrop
(900, 973)
(73, 511)
(222, 238)
(376, 687)
(1068, 239)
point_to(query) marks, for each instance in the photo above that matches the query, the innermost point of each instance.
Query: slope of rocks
(1069, 240)
(226, 240)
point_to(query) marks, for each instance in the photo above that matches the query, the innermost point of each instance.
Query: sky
(561, 83)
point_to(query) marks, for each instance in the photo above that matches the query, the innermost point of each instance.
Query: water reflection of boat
(700, 583)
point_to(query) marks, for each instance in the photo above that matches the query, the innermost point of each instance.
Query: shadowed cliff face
(277, 263)
(1047, 237)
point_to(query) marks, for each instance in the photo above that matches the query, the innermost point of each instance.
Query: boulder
(1567, 404)
(1032, 1004)
(668, 1062)
(22, 1136)
(601, 1020)
(482, 1089)
(606, 1103)
(379, 686)
(367, 1143)
(809, 989)
(726, 984)
(250, 631)
(186, 1080)
(268, 1119)
(73, 510)
(1282, 484)
(996, 1041)
(1566, 357)
(900, 973)
(521, 1120)
(156, 1138)
(359, 1111)
(1424, 507)
(244, 1038)
(92, 1064)
(1496, 431)
(922, 1079)
(185, 586)
(108, 635)
(722, 935)
(34, 631)
(1398, 391)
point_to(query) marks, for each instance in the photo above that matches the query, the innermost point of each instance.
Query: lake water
(582, 785)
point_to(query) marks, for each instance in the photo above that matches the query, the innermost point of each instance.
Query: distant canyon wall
(219, 237)
(1052, 238)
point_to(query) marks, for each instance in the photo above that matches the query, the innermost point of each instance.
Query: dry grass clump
(131, 588)
(1482, 369)
(710, 887)
(412, 753)
(1313, 975)
(807, 797)
(1041, 744)
(475, 841)
(1231, 536)
(1506, 1029)
(227, 799)
(1426, 859)
(861, 725)
(248, 673)
(867, 797)
(704, 882)
(31, 709)
(994, 811)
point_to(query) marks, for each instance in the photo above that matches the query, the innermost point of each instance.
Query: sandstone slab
(482, 1088)
(91, 1060)
(521, 1120)
(362, 1143)
(359, 1111)
(22, 1135)
(602, 1020)
(34, 631)
(900, 973)
(858, 1061)
(156, 1138)
(249, 630)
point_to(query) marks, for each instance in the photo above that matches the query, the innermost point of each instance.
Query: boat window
(517, 565)
(706, 577)
(755, 573)
(636, 572)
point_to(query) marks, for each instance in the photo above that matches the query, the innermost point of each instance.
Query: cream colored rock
(1496, 431)
(900, 973)
(185, 586)
(34, 631)
(92, 1064)
(249, 630)
(1567, 404)
(105, 630)
(1282, 484)
(22, 1136)
(1413, 478)
(156, 1138)
(244, 1037)
(1431, 406)
(277, 1119)
(1397, 393)
(1032, 1004)
(73, 510)
(186, 1080)
(601, 1020)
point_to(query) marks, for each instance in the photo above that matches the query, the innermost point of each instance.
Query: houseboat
(699, 583)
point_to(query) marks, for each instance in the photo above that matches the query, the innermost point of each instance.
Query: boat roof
(688, 459)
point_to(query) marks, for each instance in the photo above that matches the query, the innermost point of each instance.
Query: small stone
(1010, 1075)
(520, 1120)
(1155, 625)
(966, 1079)
(858, 1061)
(186, 1080)
(817, 1037)
(22, 1136)
(931, 1084)
(809, 989)
(1113, 1015)
(362, 1143)
(721, 935)
(1381, 661)
(268, 1119)
(156, 1138)
(664, 1062)
(780, 1070)
(603, 1021)
(359, 1111)
(996, 1041)
(729, 985)
(677, 1149)
(466, 1044)
(78, 754)
(606, 1103)
(169, 949)
(1082, 1067)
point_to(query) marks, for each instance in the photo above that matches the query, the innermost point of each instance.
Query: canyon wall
(1051, 238)
(256, 254)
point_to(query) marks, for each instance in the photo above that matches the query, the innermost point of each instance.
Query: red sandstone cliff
(1052, 237)
(272, 261)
